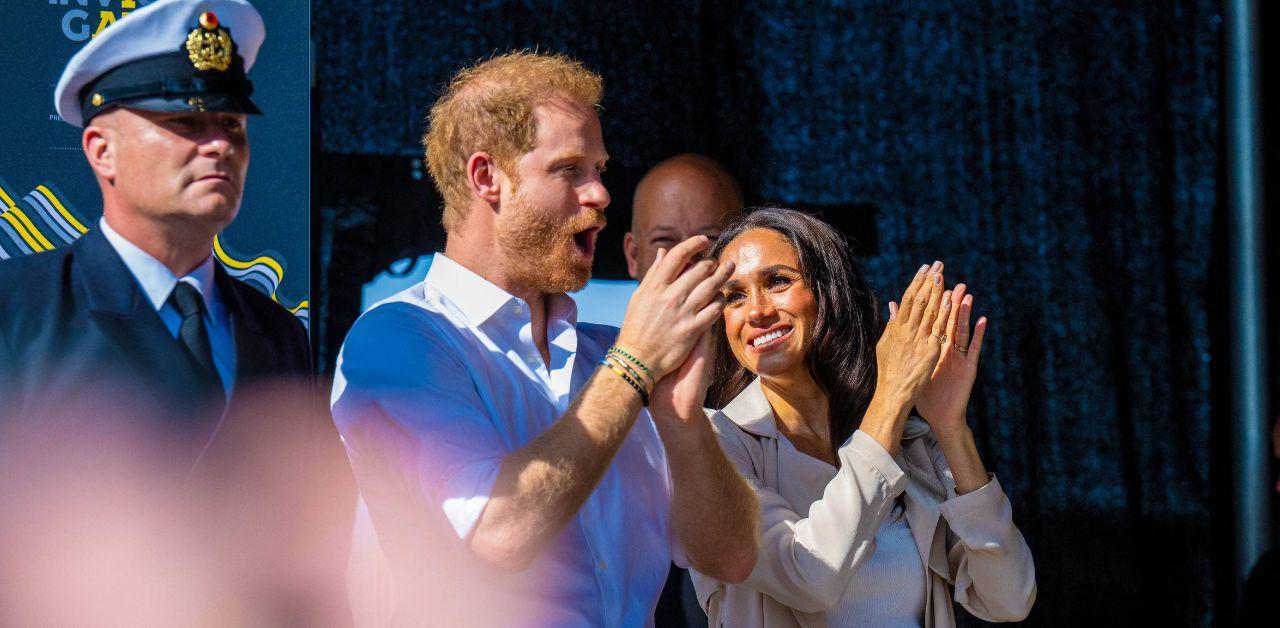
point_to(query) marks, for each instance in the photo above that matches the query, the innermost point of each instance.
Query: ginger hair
(489, 107)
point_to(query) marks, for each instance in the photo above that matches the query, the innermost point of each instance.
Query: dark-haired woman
(868, 518)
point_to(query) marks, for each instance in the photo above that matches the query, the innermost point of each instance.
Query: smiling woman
(869, 517)
(796, 261)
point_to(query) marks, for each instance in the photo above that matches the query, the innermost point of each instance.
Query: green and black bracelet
(644, 396)
(631, 358)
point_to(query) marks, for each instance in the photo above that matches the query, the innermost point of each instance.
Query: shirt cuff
(863, 448)
(976, 511)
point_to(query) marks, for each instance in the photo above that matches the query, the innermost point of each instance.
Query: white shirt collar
(156, 280)
(479, 300)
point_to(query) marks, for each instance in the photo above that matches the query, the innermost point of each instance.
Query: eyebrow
(734, 284)
(661, 230)
(566, 157)
(574, 157)
(777, 267)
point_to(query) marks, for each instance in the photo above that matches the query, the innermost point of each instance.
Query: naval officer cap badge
(171, 55)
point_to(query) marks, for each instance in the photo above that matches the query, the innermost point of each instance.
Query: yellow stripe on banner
(300, 306)
(35, 232)
(234, 263)
(62, 210)
(8, 202)
(22, 231)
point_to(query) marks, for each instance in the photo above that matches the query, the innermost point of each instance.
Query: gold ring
(960, 348)
(942, 340)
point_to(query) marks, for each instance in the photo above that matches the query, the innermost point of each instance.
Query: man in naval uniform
(138, 311)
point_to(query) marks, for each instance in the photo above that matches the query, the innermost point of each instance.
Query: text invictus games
(86, 18)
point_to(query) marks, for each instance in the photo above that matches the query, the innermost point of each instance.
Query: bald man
(681, 197)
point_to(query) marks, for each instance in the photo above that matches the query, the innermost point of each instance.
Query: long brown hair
(841, 358)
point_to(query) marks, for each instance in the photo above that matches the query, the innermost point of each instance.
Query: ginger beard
(543, 252)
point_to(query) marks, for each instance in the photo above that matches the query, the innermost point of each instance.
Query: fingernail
(937, 265)
(923, 267)
(937, 279)
(946, 297)
(968, 300)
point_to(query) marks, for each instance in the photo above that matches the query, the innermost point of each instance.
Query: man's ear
(631, 251)
(484, 177)
(99, 149)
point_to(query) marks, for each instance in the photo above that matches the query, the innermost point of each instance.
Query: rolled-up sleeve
(415, 427)
(994, 574)
(806, 562)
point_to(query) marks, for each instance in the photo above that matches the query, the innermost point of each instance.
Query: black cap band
(168, 82)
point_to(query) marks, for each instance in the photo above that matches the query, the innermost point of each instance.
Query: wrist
(629, 375)
(635, 360)
(884, 420)
(637, 357)
(682, 434)
(951, 432)
(891, 400)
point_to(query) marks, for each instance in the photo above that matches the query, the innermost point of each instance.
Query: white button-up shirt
(157, 283)
(434, 388)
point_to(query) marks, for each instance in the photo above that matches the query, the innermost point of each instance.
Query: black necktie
(193, 336)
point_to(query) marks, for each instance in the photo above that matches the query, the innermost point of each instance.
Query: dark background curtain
(1063, 158)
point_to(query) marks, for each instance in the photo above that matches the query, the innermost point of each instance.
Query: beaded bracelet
(644, 396)
(632, 358)
(628, 368)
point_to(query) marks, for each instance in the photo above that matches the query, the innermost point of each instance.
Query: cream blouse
(967, 544)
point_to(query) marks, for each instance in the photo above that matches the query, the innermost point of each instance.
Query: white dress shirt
(157, 283)
(434, 388)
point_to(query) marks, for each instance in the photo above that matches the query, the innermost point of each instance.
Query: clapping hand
(944, 399)
(671, 309)
(909, 348)
(907, 355)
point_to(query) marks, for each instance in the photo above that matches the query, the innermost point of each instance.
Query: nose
(216, 146)
(593, 194)
(216, 140)
(760, 307)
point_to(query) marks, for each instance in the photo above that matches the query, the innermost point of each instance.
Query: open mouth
(771, 339)
(585, 241)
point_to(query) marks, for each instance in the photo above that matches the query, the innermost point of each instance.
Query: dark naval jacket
(78, 336)
(75, 321)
